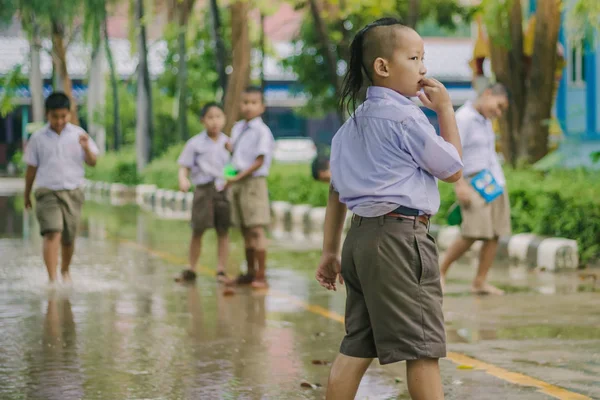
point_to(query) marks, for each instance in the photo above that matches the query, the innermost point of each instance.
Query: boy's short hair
(57, 101)
(208, 106)
(497, 89)
(319, 164)
(255, 89)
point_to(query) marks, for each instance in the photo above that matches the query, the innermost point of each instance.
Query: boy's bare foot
(222, 277)
(66, 277)
(260, 284)
(187, 275)
(486, 289)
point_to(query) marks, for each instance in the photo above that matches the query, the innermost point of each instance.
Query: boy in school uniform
(481, 220)
(205, 157)
(252, 153)
(55, 156)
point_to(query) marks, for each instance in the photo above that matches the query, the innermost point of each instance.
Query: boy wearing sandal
(205, 157)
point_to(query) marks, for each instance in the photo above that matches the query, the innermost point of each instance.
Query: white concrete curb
(302, 222)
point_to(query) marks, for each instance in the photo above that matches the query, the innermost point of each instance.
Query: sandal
(187, 275)
(221, 277)
(245, 279)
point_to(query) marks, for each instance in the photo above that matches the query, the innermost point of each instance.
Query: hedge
(562, 203)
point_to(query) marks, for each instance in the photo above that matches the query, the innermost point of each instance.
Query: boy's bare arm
(329, 270)
(260, 160)
(184, 183)
(29, 178)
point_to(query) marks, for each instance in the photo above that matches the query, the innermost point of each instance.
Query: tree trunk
(182, 80)
(219, 46)
(96, 98)
(36, 83)
(413, 13)
(143, 132)
(541, 81)
(262, 52)
(240, 42)
(59, 56)
(509, 69)
(117, 135)
(330, 57)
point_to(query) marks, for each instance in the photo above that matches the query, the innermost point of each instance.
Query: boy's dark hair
(255, 89)
(498, 89)
(320, 163)
(208, 106)
(353, 80)
(57, 101)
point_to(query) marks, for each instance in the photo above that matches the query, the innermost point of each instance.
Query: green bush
(162, 171)
(560, 203)
(118, 167)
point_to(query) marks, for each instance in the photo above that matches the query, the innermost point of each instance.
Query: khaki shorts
(59, 211)
(210, 209)
(250, 202)
(484, 221)
(394, 298)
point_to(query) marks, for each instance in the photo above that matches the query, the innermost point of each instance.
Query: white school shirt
(206, 158)
(251, 139)
(479, 143)
(389, 155)
(59, 158)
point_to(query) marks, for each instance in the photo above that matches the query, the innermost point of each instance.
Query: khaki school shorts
(250, 202)
(59, 211)
(485, 221)
(211, 209)
(394, 297)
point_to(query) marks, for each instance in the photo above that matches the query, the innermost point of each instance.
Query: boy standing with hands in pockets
(55, 156)
(384, 163)
(252, 152)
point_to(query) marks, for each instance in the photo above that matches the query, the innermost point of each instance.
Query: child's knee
(53, 236)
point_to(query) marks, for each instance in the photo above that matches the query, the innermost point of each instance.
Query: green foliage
(202, 77)
(115, 167)
(162, 171)
(10, 83)
(496, 17)
(583, 20)
(309, 61)
(165, 132)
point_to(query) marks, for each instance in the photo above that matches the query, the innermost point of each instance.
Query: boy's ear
(380, 67)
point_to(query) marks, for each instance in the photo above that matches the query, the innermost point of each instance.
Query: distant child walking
(55, 156)
(252, 145)
(384, 163)
(205, 157)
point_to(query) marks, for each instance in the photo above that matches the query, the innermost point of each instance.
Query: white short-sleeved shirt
(206, 158)
(59, 158)
(251, 139)
(389, 155)
(478, 143)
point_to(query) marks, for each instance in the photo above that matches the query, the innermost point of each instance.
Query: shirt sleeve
(31, 152)
(430, 151)
(265, 142)
(93, 146)
(186, 158)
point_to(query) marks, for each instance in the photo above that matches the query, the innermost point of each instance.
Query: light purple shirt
(206, 158)
(59, 158)
(250, 140)
(479, 143)
(389, 155)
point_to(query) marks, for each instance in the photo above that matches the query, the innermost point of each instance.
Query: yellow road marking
(457, 358)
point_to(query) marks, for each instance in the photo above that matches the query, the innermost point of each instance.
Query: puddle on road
(125, 330)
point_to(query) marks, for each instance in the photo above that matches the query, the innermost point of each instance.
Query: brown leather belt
(421, 218)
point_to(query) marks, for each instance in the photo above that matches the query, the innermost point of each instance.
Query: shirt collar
(469, 104)
(254, 122)
(51, 131)
(386, 93)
